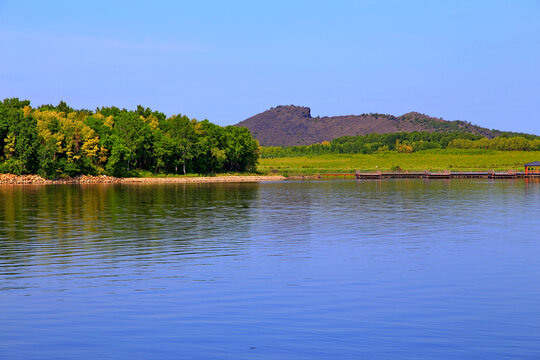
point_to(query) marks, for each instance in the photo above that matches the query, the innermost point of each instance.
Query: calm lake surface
(289, 270)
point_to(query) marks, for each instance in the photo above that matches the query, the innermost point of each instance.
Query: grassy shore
(432, 160)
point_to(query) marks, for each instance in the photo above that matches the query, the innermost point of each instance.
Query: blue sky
(227, 60)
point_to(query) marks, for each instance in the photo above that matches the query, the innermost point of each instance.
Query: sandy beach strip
(205, 179)
(104, 179)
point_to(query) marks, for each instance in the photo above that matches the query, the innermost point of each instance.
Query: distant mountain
(293, 125)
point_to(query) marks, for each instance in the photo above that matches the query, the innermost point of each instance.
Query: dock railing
(443, 174)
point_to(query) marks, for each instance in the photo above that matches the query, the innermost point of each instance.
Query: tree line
(406, 142)
(56, 141)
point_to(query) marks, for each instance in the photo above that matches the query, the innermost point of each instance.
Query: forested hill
(293, 125)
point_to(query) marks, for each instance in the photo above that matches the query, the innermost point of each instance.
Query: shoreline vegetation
(59, 142)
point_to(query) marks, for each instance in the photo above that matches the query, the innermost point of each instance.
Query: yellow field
(419, 161)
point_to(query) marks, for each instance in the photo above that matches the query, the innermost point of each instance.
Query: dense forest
(406, 142)
(57, 141)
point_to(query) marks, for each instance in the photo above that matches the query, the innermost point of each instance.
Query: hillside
(293, 125)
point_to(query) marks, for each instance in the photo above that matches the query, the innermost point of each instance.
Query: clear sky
(227, 60)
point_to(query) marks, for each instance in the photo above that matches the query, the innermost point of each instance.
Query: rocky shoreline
(6, 179)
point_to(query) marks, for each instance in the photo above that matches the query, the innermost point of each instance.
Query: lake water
(288, 270)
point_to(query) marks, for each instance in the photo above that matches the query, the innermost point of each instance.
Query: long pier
(435, 175)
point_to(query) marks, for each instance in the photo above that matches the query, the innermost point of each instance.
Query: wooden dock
(433, 175)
